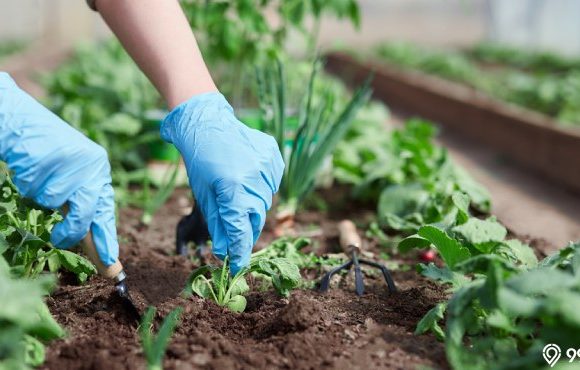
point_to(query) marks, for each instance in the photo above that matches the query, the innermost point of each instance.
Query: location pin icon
(551, 353)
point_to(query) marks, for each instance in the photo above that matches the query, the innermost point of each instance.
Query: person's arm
(157, 36)
(233, 170)
(54, 164)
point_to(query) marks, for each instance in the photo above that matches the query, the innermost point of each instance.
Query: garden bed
(531, 139)
(308, 330)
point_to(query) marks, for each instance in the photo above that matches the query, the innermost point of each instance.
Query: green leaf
(478, 195)
(77, 264)
(237, 303)
(413, 241)
(34, 351)
(284, 274)
(430, 322)
(400, 206)
(560, 258)
(3, 244)
(480, 264)
(154, 346)
(202, 270)
(239, 286)
(28, 311)
(461, 202)
(450, 250)
(541, 281)
(477, 231)
(201, 286)
(443, 275)
(521, 252)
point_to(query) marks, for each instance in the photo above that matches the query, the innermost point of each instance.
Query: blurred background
(535, 24)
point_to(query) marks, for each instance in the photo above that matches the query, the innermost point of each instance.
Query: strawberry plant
(25, 236)
(216, 283)
(154, 346)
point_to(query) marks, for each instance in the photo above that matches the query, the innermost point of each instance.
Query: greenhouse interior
(297, 184)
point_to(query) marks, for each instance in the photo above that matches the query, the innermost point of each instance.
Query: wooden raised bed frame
(528, 138)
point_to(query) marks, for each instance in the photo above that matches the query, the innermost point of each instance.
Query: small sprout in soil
(154, 346)
(228, 291)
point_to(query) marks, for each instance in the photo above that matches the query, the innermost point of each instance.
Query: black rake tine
(358, 279)
(386, 274)
(325, 281)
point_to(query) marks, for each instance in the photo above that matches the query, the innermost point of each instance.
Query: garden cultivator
(351, 244)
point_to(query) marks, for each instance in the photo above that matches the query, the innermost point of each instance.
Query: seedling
(154, 346)
(152, 203)
(292, 249)
(322, 123)
(228, 291)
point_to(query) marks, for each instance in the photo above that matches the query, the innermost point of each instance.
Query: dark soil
(308, 330)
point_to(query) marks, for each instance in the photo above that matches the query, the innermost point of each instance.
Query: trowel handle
(89, 249)
(348, 236)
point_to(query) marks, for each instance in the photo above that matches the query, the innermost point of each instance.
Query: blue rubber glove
(54, 164)
(233, 172)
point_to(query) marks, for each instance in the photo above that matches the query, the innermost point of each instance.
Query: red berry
(427, 255)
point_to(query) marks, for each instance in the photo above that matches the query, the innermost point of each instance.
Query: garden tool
(114, 272)
(192, 228)
(351, 244)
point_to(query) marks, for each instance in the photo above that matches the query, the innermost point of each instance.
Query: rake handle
(349, 239)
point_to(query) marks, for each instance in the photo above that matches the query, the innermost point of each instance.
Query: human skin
(157, 36)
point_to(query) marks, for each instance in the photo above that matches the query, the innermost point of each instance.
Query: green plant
(25, 236)
(543, 82)
(412, 179)
(505, 305)
(291, 249)
(9, 47)
(24, 320)
(154, 346)
(228, 291)
(321, 125)
(237, 34)
(101, 92)
(538, 62)
(509, 313)
(152, 203)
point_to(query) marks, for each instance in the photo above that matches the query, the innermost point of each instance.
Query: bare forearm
(157, 36)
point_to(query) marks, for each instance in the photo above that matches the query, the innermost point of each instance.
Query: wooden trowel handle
(348, 236)
(89, 249)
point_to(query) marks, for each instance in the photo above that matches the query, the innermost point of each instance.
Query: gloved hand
(55, 164)
(233, 172)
